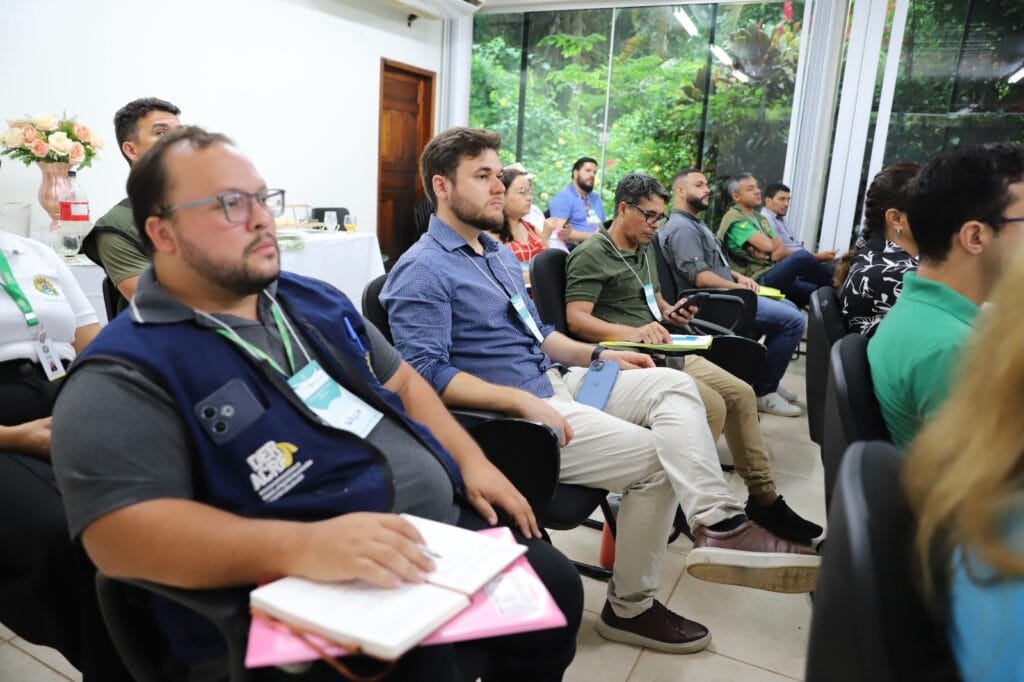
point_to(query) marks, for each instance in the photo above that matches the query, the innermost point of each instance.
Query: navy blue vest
(287, 464)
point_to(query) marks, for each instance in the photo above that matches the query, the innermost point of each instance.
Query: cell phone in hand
(696, 300)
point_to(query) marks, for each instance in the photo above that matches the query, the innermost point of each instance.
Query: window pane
(953, 85)
(665, 111)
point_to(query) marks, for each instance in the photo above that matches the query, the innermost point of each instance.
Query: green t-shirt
(113, 243)
(595, 272)
(915, 351)
(735, 231)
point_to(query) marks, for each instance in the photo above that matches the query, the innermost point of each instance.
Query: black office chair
(112, 298)
(869, 621)
(852, 412)
(733, 309)
(571, 506)
(825, 326)
(738, 355)
(317, 214)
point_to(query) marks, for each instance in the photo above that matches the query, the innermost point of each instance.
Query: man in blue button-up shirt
(460, 315)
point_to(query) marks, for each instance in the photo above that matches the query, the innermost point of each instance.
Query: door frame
(427, 130)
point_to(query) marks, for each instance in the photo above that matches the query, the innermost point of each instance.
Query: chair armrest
(227, 609)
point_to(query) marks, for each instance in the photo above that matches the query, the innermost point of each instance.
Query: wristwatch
(596, 353)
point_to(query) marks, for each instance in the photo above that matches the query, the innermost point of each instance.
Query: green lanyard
(13, 289)
(231, 335)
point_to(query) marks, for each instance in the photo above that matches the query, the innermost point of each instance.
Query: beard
(586, 186)
(237, 278)
(475, 217)
(699, 202)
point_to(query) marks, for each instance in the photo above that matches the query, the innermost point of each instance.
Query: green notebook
(770, 292)
(679, 342)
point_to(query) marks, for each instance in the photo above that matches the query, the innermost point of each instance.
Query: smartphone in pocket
(598, 383)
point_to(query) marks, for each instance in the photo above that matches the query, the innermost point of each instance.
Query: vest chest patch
(275, 470)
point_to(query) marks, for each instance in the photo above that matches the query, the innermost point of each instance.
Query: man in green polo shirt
(613, 293)
(755, 250)
(967, 211)
(113, 243)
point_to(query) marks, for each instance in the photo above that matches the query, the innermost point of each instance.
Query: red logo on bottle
(74, 211)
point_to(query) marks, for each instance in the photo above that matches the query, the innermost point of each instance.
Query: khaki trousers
(732, 408)
(651, 444)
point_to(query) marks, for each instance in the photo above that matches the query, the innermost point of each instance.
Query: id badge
(332, 402)
(592, 218)
(49, 360)
(524, 314)
(652, 303)
(525, 267)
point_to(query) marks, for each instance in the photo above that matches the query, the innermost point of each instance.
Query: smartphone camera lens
(209, 412)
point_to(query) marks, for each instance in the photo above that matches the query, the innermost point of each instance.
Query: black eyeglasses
(237, 205)
(652, 218)
(1003, 221)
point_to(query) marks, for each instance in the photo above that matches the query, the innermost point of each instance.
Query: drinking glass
(349, 222)
(330, 220)
(70, 244)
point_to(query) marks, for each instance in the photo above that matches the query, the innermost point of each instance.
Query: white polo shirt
(52, 291)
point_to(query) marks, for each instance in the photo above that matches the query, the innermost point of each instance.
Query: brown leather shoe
(656, 628)
(751, 556)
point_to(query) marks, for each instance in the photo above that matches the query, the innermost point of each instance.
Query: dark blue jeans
(783, 327)
(798, 275)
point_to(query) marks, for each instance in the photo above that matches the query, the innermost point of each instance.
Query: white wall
(296, 83)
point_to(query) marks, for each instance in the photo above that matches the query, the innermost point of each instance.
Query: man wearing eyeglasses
(967, 211)
(608, 282)
(261, 427)
(113, 242)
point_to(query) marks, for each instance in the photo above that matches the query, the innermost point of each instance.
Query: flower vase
(54, 183)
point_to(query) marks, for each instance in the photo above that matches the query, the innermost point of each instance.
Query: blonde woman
(965, 481)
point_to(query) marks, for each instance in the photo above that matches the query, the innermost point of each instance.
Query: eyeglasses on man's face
(237, 205)
(652, 218)
(1003, 221)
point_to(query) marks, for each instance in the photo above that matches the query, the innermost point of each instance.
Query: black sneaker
(656, 628)
(779, 519)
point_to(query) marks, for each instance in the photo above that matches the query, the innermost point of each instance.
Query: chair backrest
(852, 412)
(547, 273)
(722, 308)
(113, 301)
(825, 326)
(869, 621)
(372, 308)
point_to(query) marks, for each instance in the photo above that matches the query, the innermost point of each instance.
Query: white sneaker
(789, 395)
(773, 403)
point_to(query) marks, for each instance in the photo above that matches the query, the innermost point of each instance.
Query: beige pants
(731, 407)
(652, 444)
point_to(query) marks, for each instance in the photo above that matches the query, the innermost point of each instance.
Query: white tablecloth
(347, 260)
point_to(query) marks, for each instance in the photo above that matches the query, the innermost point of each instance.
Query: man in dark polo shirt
(113, 243)
(180, 490)
(607, 278)
(966, 208)
(696, 259)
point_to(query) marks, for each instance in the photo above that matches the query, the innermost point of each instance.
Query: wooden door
(406, 125)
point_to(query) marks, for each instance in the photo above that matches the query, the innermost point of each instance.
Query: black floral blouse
(873, 285)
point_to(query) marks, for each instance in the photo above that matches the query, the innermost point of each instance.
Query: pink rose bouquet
(48, 139)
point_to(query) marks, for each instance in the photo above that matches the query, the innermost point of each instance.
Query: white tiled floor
(757, 636)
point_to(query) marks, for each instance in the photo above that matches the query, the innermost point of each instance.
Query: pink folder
(273, 644)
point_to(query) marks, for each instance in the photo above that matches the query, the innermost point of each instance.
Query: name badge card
(592, 218)
(49, 360)
(332, 402)
(524, 314)
(652, 303)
